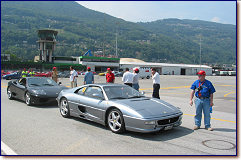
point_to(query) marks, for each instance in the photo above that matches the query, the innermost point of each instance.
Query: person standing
(110, 77)
(128, 78)
(31, 74)
(135, 84)
(89, 77)
(73, 77)
(55, 74)
(156, 83)
(203, 101)
(24, 73)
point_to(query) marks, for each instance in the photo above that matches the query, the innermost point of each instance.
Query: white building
(100, 64)
(166, 68)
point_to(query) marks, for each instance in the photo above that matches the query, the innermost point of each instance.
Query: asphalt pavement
(41, 130)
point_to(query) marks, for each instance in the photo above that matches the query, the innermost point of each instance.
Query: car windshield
(121, 92)
(41, 82)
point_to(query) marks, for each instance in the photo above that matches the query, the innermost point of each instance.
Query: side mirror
(59, 83)
(21, 83)
(142, 93)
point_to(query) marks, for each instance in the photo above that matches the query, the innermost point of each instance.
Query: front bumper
(42, 99)
(138, 125)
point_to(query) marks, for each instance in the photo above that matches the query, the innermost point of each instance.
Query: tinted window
(121, 92)
(41, 82)
(81, 91)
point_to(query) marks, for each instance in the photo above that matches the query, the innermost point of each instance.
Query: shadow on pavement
(224, 130)
(174, 133)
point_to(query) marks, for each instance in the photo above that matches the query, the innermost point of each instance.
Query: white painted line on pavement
(7, 150)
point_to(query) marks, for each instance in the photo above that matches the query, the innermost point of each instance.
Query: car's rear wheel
(116, 121)
(10, 95)
(64, 108)
(28, 99)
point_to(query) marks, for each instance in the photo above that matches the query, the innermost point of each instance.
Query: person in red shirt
(110, 77)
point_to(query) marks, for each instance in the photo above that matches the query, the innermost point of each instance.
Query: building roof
(131, 60)
(149, 64)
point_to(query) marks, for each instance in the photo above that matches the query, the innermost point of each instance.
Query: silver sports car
(119, 107)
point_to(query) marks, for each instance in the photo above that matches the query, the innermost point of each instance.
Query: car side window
(94, 92)
(81, 91)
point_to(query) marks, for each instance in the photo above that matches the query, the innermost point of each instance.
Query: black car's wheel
(64, 108)
(10, 95)
(116, 121)
(28, 99)
(148, 77)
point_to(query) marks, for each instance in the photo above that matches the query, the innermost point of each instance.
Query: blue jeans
(202, 105)
(136, 86)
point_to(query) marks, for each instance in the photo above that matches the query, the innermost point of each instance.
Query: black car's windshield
(121, 92)
(39, 81)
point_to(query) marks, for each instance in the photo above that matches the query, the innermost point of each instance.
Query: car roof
(105, 84)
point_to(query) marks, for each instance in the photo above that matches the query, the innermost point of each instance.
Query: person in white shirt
(128, 78)
(156, 83)
(73, 77)
(135, 84)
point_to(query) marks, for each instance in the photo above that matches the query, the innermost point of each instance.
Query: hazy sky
(147, 11)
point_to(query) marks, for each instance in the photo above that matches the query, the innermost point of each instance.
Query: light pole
(116, 42)
(200, 52)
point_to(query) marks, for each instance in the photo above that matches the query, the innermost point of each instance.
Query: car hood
(150, 107)
(51, 91)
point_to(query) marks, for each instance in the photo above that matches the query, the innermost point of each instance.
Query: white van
(144, 72)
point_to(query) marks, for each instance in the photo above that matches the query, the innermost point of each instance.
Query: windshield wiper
(135, 97)
(118, 98)
(46, 84)
(34, 84)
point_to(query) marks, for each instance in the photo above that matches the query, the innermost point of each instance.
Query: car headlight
(150, 122)
(41, 92)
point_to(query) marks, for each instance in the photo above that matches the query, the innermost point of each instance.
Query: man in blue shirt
(89, 77)
(203, 101)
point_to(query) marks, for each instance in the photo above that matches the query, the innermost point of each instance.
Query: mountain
(80, 29)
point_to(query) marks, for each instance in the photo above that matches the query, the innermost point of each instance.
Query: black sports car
(34, 90)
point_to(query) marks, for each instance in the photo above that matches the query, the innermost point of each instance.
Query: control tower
(47, 44)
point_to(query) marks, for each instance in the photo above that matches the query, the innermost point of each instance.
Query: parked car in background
(118, 74)
(42, 74)
(34, 90)
(102, 74)
(63, 74)
(15, 75)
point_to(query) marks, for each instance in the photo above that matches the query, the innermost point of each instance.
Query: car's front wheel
(116, 121)
(28, 99)
(64, 108)
(10, 95)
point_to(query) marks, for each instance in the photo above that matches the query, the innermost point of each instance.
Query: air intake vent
(82, 109)
(168, 121)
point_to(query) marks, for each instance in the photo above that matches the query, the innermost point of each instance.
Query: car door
(95, 102)
(20, 88)
(91, 103)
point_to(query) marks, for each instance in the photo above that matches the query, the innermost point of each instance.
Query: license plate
(168, 128)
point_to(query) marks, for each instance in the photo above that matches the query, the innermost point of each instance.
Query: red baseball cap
(201, 72)
(88, 68)
(136, 69)
(108, 69)
(54, 68)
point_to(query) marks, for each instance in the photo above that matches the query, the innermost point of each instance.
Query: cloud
(216, 19)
